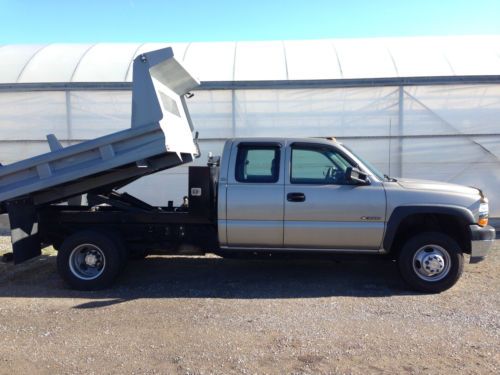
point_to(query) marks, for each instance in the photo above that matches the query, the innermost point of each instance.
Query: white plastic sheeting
(257, 61)
(354, 54)
(107, 111)
(32, 115)
(443, 132)
(343, 112)
(313, 59)
(63, 60)
(70, 115)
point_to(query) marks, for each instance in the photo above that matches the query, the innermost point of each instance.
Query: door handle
(296, 197)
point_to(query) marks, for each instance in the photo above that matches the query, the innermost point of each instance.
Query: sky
(92, 21)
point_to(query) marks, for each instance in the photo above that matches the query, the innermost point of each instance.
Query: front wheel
(90, 260)
(431, 262)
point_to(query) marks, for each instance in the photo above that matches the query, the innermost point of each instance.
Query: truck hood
(437, 186)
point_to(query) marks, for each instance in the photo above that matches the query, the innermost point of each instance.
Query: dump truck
(262, 196)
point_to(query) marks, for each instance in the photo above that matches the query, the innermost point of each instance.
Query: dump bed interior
(160, 137)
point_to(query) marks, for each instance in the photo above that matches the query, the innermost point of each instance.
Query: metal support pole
(69, 126)
(78, 200)
(400, 132)
(233, 112)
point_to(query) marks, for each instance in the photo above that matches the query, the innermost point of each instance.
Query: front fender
(402, 212)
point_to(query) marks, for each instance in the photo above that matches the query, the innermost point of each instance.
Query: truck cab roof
(285, 140)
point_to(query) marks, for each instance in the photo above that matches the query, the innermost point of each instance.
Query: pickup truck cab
(295, 194)
(280, 195)
(316, 195)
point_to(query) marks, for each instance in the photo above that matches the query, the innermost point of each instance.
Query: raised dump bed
(160, 137)
(160, 126)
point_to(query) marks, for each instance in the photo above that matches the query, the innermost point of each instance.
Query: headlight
(483, 214)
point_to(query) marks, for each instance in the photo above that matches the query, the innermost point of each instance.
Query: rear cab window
(257, 163)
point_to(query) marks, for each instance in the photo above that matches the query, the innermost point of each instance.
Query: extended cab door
(322, 209)
(255, 195)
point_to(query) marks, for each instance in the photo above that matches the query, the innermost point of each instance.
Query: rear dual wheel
(90, 260)
(431, 262)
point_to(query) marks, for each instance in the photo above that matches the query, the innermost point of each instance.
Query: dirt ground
(207, 315)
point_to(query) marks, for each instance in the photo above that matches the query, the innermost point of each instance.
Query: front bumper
(482, 239)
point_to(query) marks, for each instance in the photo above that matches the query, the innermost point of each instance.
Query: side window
(318, 166)
(257, 164)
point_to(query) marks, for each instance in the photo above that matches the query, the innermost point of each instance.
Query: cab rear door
(255, 195)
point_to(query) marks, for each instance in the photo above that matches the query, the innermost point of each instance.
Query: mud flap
(24, 229)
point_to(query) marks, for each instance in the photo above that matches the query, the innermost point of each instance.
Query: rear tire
(431, 262)
(90, 260)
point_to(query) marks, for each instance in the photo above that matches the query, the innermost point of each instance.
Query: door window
(257, 164)
(318, 166)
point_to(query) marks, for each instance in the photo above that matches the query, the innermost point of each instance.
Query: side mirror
(356, 176)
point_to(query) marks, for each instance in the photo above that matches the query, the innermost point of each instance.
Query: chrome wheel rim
(87, 261)
(431, 263)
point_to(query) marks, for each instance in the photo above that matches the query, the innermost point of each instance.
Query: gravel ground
(209, 315)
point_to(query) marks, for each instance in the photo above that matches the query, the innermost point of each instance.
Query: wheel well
(451, 225)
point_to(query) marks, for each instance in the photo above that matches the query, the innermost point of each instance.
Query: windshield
(367, 164)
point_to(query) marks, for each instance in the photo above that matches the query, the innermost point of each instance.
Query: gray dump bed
(160, 137)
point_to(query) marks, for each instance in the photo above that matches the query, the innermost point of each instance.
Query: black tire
(431, 262)
(105, 252)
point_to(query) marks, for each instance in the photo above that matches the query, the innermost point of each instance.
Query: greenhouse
(425, 108)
